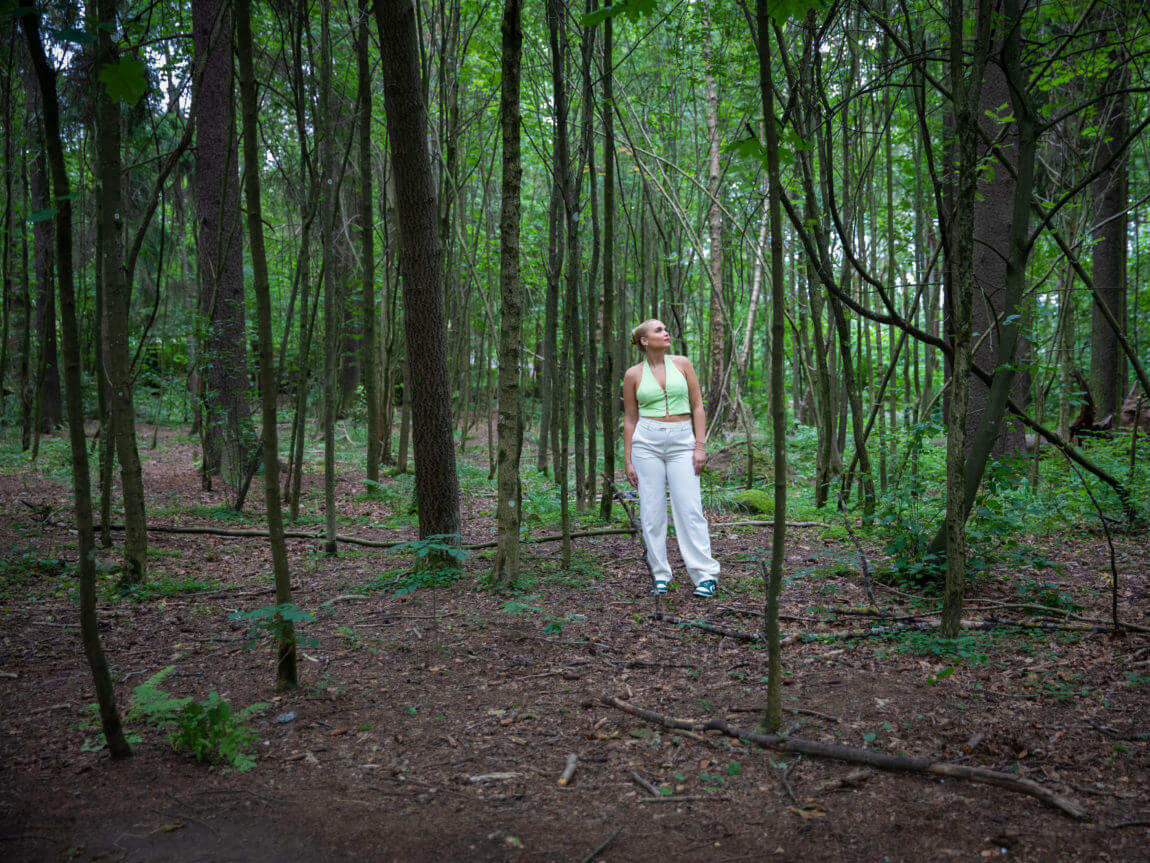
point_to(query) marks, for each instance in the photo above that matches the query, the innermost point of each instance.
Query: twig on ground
(568, 771)
(785, 777)
(602, 846)
(710, 627)
(647, 786)
(871, 758)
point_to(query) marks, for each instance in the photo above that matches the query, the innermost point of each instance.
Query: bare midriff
(673, 418)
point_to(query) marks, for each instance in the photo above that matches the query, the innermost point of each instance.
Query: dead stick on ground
(568, 771)
(208, 530)
(651, 789)
(710, 627)
(881, 760)
(602, 846)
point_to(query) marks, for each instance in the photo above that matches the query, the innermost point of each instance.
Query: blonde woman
(663, 433)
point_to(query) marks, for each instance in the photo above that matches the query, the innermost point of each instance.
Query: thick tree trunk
(227, 438)
(436, 481)
(117, 308)
(286, 674)
(505, 570)
(81, 485)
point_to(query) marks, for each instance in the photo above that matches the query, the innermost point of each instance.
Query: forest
(316, 541)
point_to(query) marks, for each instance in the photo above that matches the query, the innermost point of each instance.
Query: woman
(663, 434)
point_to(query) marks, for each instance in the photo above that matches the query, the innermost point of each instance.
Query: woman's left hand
(699, 460)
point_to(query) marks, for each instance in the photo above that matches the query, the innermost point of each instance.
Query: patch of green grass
(974, 648)
(224, 513)
(23, 566)
(156, 588)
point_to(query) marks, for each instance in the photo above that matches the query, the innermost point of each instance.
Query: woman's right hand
(632, 477)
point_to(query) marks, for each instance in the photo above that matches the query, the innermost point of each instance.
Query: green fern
(209, 729)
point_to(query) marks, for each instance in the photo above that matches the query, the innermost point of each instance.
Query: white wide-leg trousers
(662, 455)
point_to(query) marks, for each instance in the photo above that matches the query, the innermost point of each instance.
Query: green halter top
(654, 400)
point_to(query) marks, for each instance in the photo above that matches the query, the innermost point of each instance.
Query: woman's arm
(698, 413)
(630, 418)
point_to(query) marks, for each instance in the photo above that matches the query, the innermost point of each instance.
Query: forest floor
(434, 724)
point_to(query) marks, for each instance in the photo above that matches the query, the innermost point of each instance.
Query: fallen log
(870, 758)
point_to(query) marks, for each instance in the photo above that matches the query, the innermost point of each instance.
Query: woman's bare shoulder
(633, 373)
(682, 362)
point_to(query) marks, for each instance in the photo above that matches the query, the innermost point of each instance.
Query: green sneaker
(706, 588)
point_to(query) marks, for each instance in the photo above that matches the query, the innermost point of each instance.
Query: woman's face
(657, 336)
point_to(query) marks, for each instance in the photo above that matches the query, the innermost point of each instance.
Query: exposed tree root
(880, 760)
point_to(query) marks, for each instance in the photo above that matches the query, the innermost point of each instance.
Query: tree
(222, 359)
(1110, 192)
(505, 570)
(81, 484)
(773, 717)
(286, 674)
(117, 300)
(436, 481)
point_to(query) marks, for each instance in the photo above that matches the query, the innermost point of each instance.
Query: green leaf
(42, 215)
(784, 10)
(124, 80)
(633, 9)
(71, 34)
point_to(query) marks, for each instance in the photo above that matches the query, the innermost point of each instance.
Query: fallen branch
(710, 627)
(755, 523)
(645, 785)
(871, 758)
(209, 530)
(568, 771)
(602, 846)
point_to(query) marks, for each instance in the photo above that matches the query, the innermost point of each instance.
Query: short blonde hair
(640, 331)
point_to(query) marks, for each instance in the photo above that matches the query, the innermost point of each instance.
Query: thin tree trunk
(717, 329)
(286, 674)
(773, 716)
(610, 390)
(116, 311)
(370, 344)
(81, 485)
(331, 302)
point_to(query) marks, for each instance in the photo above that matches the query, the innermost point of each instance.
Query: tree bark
(219, 246)
(332, 305)
(117, 307)
(610, 392)
(436, 482)
(773, 716)
(1110, 191)
(286, 673)
(717, 329)
(370, 343)
(81, 484)
(505, 570)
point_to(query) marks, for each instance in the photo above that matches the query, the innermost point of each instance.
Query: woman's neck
(655, 356)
